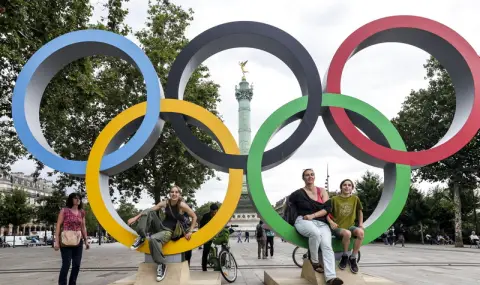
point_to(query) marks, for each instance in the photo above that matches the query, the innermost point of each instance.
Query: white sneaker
(161, 271)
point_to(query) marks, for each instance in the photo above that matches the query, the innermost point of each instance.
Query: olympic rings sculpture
(381, 147)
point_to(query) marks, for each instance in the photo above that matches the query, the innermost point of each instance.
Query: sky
(382, 75)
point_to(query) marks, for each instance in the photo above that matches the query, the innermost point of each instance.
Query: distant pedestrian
(269, 244)
(247, 236)
(206, 246)
(391, 236)
(261, 240)
(71, 225)
(239, 237)
(401, 235)
(474, 240)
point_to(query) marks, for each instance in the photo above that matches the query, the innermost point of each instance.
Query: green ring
(277, 119)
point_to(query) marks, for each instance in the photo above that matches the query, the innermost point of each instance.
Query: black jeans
(71, 255)
(269, 245)
(188, 256)
(206, 251)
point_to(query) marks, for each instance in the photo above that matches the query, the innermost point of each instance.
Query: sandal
(317, 267)
(335, 281)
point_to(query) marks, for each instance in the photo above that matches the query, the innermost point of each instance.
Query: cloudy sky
(382, 75)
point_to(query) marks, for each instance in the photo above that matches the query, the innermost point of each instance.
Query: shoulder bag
(70, 238)
(180, 227)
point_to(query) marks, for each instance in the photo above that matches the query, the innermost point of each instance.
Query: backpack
(290, 212)
(222, 237)
(269, 233)
(259, 231)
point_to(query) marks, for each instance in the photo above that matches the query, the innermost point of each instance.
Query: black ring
(253, 35)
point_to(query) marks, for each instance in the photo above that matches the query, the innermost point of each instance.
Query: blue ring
(64, 46)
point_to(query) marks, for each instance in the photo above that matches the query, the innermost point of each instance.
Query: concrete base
(178, 273)
(310, 277)
(196, 278)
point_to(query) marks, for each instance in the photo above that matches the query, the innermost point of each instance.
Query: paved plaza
(101, 265)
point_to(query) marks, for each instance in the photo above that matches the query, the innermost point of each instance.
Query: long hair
(70, 200)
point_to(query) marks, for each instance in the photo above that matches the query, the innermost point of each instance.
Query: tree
(3, 220)
(441, 210)
(49, 208)
(91, 222)
(88, 93)
(126, 211)
(369, 190)
(16, 210)
(169, 162)
(205, 208)
(424, 118)
(25, 26)
(415, 212)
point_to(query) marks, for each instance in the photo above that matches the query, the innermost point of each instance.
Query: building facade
(34, 189)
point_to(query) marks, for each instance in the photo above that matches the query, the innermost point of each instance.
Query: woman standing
(313, 205)
(163, 232)
(70, 234)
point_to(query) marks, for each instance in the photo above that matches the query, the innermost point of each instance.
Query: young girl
(162, 231)
(346, 208)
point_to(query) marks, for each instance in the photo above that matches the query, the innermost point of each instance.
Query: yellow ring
(93, 178)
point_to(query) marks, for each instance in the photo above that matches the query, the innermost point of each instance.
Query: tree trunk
(458, 215)
(156, 195)
(14, 231)
(475, 211)
(156, 191)
(421, 232)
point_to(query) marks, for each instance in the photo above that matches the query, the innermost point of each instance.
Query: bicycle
(306, 254)
(224, 260)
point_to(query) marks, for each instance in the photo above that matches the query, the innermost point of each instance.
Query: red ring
(418, 158)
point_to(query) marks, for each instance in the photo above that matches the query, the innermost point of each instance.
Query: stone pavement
(101, 265)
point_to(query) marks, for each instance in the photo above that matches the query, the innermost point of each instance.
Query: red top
(320, 200)
(72, 222)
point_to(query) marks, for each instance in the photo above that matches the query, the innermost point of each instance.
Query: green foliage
(369, 189)
(86, 94)
(432, 211)
(126, 211)
(205, 208)
(15, 209)
(49, 207)
(416, 210)
(25, 26)
(3, 220)
(168, 162)
(423, 120)
(91, 222)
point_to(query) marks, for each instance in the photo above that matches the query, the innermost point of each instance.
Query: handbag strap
(312, 202)
(173, 214)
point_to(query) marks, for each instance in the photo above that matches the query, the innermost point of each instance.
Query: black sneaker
(161, 271)
(138, 242)
(353, 265)
(335, 281)
(343, 262)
